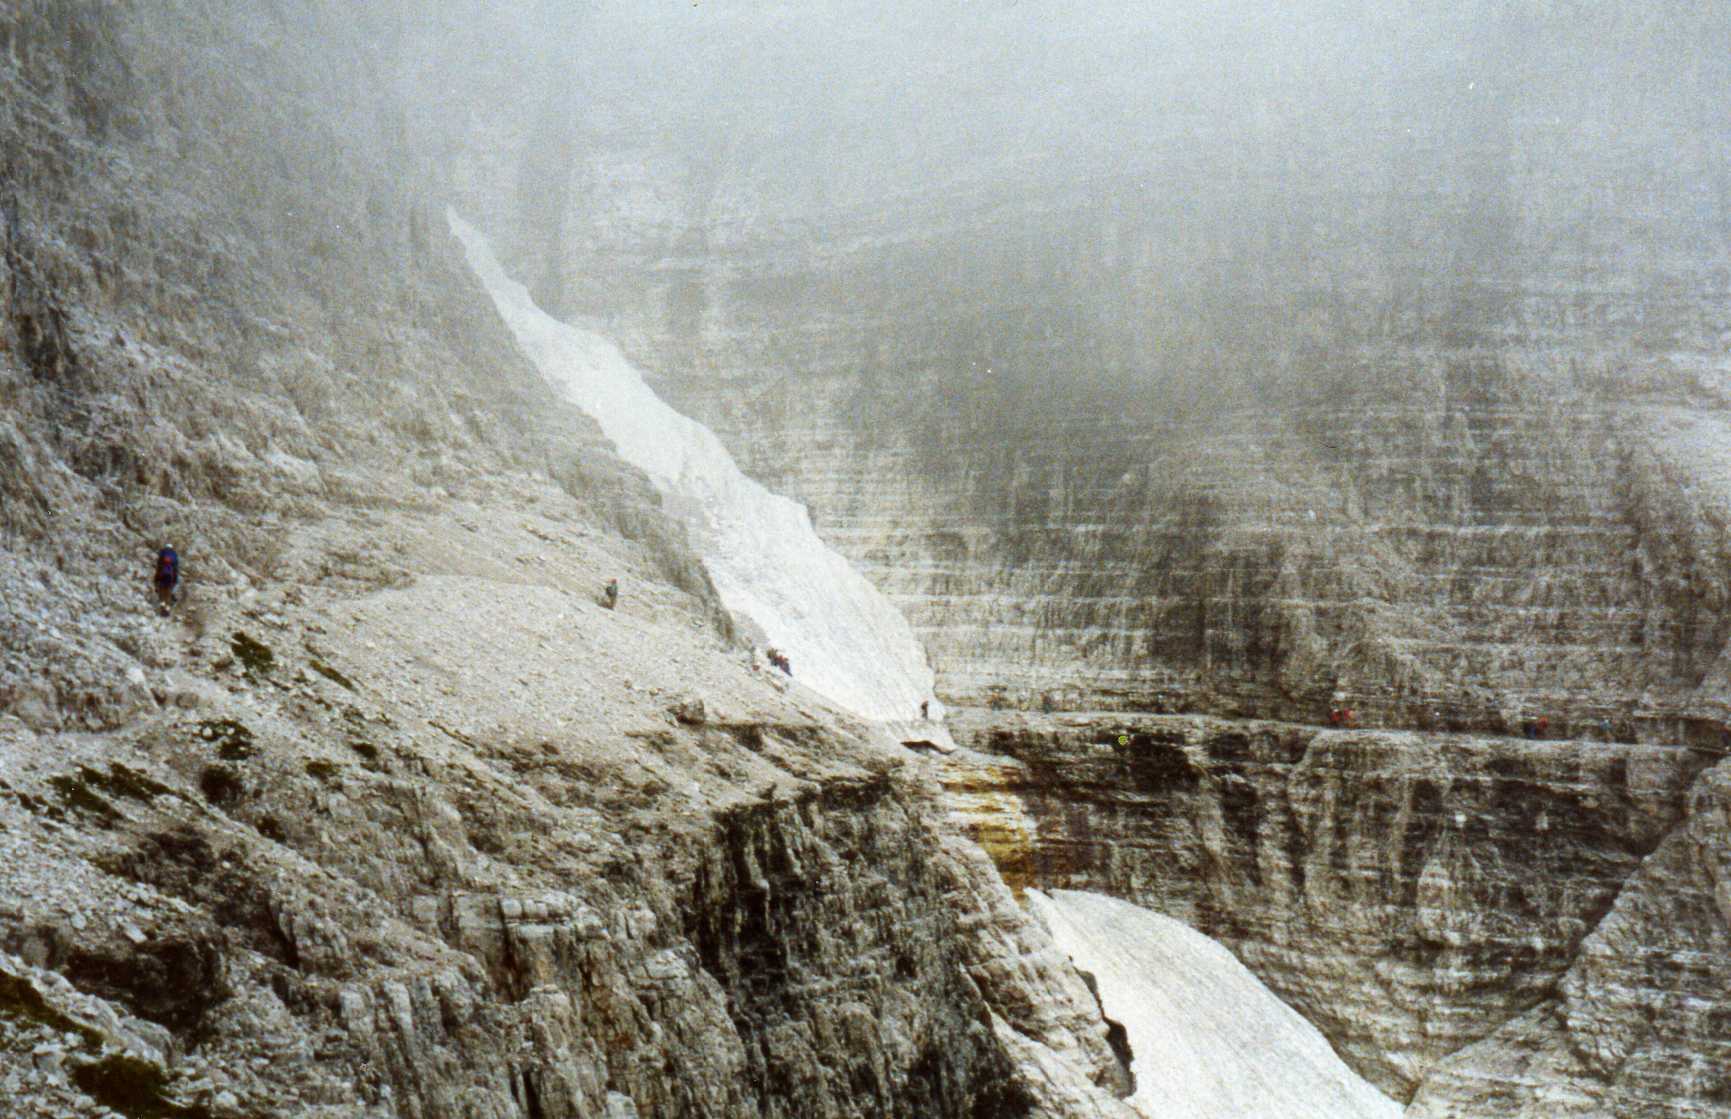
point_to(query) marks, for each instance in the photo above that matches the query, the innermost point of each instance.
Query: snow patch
(844, 639)
(1207, 1039)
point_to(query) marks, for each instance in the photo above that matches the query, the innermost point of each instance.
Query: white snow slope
(1207, 1039)
(844, 639)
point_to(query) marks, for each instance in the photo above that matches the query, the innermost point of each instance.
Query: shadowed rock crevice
(838, 888)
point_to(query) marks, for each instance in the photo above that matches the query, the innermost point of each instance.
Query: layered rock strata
(1225, 388)
(1332, 361)
(1413, 895)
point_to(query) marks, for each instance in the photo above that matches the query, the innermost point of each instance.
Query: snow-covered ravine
(845, 640)
(1207, 1039)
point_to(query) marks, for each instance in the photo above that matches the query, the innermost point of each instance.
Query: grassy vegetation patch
(323, 770)
(30, 803)
(21, 1001)
(254, 655)
(122, 1083)
(221, 785)
(127, 782)
(75, 793)
(331, 674)
(89, 788)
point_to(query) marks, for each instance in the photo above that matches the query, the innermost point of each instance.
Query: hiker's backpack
(167, 567)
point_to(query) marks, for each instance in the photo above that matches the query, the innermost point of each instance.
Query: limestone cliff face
(1639, 1024)
(1408, 893)
(1357, 360)
(1147, 408)
(1155, 403)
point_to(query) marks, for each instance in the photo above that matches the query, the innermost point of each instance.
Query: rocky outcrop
(1407, 893)
(823, 919)
(1638, 1025)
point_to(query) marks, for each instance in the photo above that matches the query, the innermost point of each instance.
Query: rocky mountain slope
(1367, 359)
(391, 817)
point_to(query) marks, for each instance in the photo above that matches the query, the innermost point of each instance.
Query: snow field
(845, 640)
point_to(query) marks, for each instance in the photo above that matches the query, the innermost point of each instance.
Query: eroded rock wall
(1221, 388)
(1336, 359)
(1412, 894)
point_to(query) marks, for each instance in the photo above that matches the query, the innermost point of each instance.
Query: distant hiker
(925, 709)
(1543, 725)
(610, 596)
(779, 660)
(167, 579)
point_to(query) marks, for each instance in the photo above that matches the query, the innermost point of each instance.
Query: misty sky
(907, 94)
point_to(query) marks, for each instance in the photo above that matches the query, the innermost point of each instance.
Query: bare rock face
(1127, 418)
(1411, 894)
(838, 951)
(1442, 439)
(1638, 1024)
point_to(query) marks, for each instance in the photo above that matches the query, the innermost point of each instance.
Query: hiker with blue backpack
(167, 579)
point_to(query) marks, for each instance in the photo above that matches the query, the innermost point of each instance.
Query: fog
(1108, 194)
(834, 105)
